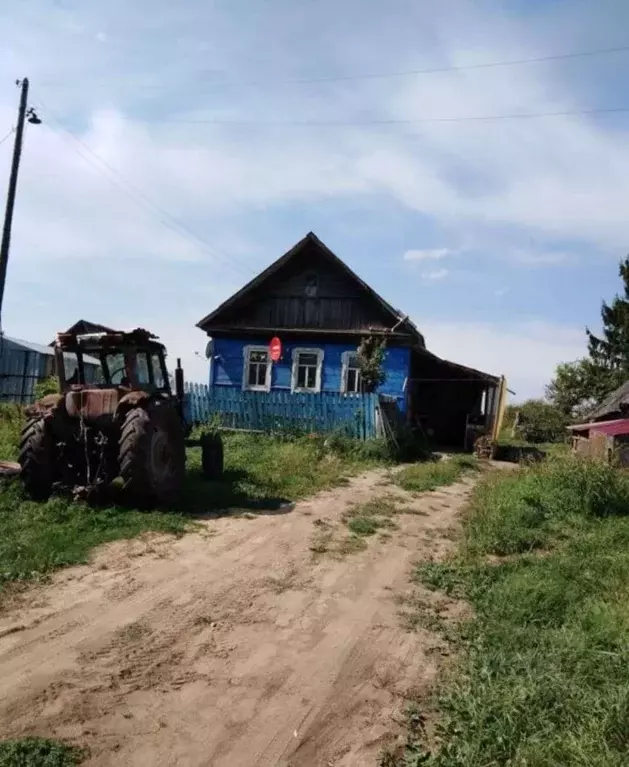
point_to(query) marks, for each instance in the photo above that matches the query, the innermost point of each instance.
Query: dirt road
(233, 647)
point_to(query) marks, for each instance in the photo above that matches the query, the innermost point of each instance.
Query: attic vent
(312, 285)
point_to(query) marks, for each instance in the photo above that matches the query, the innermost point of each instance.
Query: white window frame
(318, 375)
(246, 353)
(345, 358)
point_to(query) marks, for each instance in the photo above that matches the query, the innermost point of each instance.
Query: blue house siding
(226, 368)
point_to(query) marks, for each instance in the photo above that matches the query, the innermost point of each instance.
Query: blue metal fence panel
(23, 364)
(353, 414)
(19, 372)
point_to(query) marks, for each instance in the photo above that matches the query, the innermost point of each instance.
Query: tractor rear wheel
(152, 455)
(212, 456)
(37, 460)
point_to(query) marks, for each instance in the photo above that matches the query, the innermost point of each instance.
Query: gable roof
(613, 403)
(399, 322)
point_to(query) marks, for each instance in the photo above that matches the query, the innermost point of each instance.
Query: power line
(461, 67)
(402, 121)
(10, 133)
(136, 194)
(404, 72)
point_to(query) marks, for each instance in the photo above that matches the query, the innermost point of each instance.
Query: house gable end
(309, 288)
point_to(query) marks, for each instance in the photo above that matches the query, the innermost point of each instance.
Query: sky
(185, 146)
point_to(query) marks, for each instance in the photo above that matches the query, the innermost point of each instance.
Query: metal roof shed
(24, 363)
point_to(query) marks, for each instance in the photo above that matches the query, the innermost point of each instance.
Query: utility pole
(15, 164)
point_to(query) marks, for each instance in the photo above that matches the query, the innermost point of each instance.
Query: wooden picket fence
(353, 414)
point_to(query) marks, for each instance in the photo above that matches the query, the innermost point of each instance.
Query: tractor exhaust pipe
(179, 380)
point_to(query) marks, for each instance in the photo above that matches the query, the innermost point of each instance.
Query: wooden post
(500, 410)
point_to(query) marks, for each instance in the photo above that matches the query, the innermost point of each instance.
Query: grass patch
(423, 477)
(543, 675)
(39, 752)
(324, 541)
(362, 520)
(10, 430)
(262, 473)
(36, 538)
(366, 519)
(263, 469)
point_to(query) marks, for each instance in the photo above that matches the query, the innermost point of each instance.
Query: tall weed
(543, 675)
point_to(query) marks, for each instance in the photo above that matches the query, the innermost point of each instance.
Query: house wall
(226, 369)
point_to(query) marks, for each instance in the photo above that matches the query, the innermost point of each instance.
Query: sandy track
(235, 646)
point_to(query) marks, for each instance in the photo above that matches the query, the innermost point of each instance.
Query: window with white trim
(256, 369)
(351, 379)
(307, 365)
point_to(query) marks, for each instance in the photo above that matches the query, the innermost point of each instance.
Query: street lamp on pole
(24, 114)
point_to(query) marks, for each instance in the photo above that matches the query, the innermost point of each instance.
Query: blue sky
(178, 158)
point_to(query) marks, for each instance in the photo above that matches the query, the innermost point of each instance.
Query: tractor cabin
(283, 350)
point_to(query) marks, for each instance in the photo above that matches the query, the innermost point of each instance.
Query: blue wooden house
(321, 310)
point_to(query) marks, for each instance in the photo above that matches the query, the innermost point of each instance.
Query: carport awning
(454, 370)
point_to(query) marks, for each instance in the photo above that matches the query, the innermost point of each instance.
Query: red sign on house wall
(275, 349)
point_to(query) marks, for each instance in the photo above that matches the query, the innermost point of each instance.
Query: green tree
(578, 386)
(370, 357)
(609, 353)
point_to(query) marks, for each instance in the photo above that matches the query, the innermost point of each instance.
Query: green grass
(368, 518)
(543, 674)
(10, 428)
(36, 538)
(39, 752)
(262, 473)
(260, 468)
(423, 477)
(362, 521)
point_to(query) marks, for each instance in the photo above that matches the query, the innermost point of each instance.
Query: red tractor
(126, 423)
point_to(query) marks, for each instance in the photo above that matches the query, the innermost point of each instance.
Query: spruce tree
(609, 353)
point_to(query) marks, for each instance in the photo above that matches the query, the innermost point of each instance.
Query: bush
(46, 386)
(541, 422)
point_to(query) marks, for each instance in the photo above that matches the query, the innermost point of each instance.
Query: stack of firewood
(484, 448)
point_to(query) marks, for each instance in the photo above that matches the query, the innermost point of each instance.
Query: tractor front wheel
(152, 455)
(36, 460)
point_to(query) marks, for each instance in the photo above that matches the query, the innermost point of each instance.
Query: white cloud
(436, 274)
(560, 178)
(527, 353)
(465, 176)
(542, 257)
(435, 254)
